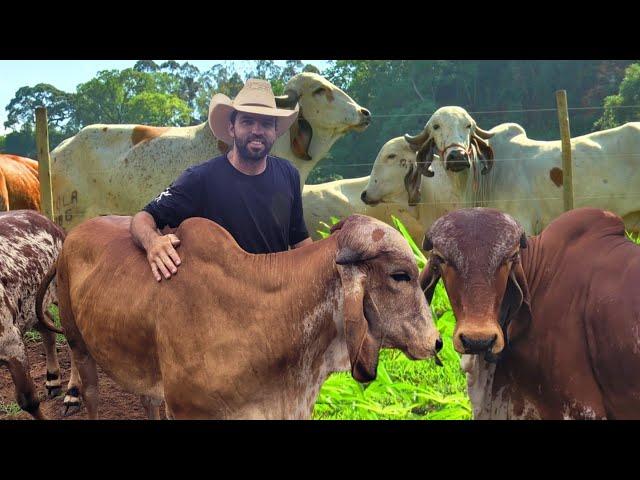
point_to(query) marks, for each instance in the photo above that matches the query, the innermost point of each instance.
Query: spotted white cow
(117, 169)
(464, 166)
(29, 245)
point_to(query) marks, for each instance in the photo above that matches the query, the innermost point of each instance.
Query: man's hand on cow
(162, 256)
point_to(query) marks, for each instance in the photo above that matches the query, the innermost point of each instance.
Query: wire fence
(523, 110)
(552, 150)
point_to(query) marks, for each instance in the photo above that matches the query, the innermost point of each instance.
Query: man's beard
(249, 154)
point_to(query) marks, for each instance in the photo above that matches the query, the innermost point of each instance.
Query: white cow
(522, 177)
(118, 169)
(342, 198)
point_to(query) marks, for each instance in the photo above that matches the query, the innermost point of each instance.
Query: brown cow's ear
(412, 182)
(428, 279)
(362, 348)
(301, 134)
(515, 312)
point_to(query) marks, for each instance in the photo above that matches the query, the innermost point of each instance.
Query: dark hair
(234, 114)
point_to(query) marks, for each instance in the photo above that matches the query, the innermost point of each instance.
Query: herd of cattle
(548, 325)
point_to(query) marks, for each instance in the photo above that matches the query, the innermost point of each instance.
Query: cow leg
(167, 412)
(72, 396)
(151, 407)
(15, 357)
(88, 373)
(53, 383)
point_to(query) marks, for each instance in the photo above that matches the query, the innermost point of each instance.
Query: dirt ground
(115, 404)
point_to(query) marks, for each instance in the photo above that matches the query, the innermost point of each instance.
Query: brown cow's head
(476, 251)
(384, 306)
(454, 136)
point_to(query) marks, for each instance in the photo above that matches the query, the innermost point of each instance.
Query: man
(254, 196)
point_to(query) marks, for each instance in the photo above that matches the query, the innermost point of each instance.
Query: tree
(129, 96)
(627, 96)
(21, 109)
(3, 141)
(218, 79)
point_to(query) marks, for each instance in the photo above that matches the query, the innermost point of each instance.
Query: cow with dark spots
(549, 326)
(29, 245)
(235, 335)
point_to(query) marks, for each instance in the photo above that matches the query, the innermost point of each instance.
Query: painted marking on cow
(555, 174)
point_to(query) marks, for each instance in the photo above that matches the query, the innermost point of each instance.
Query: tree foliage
(401, 95)
(625, 105)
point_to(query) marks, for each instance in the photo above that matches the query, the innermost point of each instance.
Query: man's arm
(171, 207)
(161, 254)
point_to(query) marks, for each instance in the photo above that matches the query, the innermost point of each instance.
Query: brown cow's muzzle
(488, 340)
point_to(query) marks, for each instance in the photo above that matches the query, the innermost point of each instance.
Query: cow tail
(42, 290)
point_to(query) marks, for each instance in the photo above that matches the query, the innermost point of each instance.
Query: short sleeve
(181, 200)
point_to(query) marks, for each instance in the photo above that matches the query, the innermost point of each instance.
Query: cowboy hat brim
(221, 108)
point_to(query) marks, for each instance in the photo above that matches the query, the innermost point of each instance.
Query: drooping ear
(424, 157)
(515, 311)
(361, 345)
(429, 279)
(301, 134)
(412, 182)
(223, 147)
(484, 152)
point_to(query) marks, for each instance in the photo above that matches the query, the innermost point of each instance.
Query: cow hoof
(53, 392)
(70, 409)
(71, 402)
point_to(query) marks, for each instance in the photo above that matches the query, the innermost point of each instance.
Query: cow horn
(288, 100)
(483, 133)
(417, 140)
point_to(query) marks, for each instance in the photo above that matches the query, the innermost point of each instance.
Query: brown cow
(19, 184)
(236, 335)
(551, 324)
(29, 246)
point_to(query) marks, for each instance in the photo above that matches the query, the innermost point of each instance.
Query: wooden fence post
(565, 135)
(44, 162)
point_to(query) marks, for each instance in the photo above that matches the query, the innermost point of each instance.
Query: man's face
(254, 134)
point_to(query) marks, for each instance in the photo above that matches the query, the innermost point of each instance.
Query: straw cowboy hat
(255, 97)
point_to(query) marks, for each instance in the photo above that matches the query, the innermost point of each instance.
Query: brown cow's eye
(401, 277)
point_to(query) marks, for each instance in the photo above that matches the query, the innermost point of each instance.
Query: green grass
(34, 336)
(404, 389)
(11, 409)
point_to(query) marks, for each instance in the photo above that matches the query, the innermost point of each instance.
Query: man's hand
(160, 249)
(162, 256)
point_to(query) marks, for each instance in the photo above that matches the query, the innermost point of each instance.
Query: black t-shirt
(262, 212)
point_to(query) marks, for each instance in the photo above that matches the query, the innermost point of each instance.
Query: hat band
(254, 105)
